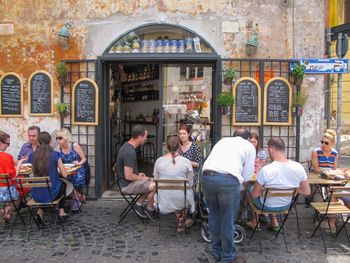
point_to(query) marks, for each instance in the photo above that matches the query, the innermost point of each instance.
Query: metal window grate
(262, 71)
(84, 135)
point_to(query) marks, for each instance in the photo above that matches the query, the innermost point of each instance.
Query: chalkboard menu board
(11, 95)
(85, 102)
(40, 98)
(246, 111)
(278, 102)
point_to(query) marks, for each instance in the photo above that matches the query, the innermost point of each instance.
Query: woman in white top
(174, 166)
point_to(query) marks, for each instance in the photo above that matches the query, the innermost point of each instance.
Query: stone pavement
(93, 235)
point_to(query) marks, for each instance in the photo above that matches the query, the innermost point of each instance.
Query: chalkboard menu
(11, 95)
(277, 98)
(246, 111)
(40, 98)
(85, 102)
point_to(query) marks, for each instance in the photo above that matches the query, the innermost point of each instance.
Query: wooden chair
(131, 200)
(322, 209)
(5, 179)
(276, 192)
(41, 182)
(172, 184)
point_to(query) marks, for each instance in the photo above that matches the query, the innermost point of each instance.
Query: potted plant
(62, 108)
(230, 74)
(298, 73)
(62, 73)
(225, 100)
(299, 100)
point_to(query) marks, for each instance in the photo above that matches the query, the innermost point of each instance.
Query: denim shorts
(259, 205)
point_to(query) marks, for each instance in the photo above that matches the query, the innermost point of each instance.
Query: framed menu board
(277, 102)
(40, 97)
(246, 111)
(11, 95)
(85, 102)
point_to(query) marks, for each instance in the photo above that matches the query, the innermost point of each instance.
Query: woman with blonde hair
(71, 152)
(174, 166)
(325, 157)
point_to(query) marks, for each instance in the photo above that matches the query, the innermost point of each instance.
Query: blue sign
(322, 66)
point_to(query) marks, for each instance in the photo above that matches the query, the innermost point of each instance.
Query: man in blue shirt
(32, 145)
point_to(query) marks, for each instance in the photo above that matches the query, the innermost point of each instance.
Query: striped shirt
(323, 162)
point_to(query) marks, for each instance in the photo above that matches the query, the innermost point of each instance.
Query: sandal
(274, 228)
(251, 225)
(189, 222)
(180, 225)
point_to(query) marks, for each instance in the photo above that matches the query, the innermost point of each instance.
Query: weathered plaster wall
(286, 29)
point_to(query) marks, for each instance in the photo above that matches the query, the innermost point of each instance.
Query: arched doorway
(160, 76)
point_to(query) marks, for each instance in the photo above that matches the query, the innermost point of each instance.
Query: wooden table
(319, 182)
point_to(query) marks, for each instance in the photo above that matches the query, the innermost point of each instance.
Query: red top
(7, 166)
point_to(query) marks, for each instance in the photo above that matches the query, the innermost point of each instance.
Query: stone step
(111, 195)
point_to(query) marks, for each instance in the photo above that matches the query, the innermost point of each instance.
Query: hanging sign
(40, 97)
(324, 65)
(85, 102)
(277, 102)
(246, 110)
(11, 95)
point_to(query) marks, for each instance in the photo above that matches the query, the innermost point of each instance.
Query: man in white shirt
(281, 173)
(230, 163)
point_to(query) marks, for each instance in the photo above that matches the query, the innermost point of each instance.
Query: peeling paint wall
(286, 29)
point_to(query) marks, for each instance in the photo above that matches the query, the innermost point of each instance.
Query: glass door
(187, 99)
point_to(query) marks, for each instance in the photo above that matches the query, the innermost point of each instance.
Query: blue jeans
(222, 193)
(259, 205)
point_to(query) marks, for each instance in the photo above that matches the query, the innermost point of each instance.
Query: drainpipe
(339, 98)
(329, 45)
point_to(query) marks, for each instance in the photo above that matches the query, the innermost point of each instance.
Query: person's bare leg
(150, 196)
(274, 221)
(40, 213)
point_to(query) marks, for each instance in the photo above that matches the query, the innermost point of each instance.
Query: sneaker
(75, 205)
(140, 211)
(150, 213)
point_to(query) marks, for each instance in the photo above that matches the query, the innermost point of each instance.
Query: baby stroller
(240, 233)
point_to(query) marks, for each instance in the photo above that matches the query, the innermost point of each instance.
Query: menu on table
(278, 102)
(85, 102)
(246, 110)
(11, 95)
(40, 98)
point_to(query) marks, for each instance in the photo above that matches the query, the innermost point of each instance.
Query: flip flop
(189, 222)
(274, 228)
(252, 226)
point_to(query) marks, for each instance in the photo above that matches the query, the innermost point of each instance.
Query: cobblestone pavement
(93, 235)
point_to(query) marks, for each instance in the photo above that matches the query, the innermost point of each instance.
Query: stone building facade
(285, 29)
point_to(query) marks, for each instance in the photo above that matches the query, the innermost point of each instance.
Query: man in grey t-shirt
(130, 180)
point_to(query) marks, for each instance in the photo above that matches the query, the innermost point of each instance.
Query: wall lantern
(252, 45)
(63, 37)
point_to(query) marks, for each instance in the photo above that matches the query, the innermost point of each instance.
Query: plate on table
(26, 168)
(337, 174)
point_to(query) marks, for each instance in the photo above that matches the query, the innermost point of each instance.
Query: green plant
(298, 71)
(300, 98)
(61, 68)
(225, 99)
(230, 73)
(62, 107)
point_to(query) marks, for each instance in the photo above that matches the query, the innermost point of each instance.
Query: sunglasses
(323, 142)
(59, 138)
(8, 144)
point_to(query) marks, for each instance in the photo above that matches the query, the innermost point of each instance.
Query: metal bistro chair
(5, 179)
(131, 200)
(41, 182)
(172, 184)
(322, 209)
(276, 192)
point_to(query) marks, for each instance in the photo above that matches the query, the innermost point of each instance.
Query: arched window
(159, 38)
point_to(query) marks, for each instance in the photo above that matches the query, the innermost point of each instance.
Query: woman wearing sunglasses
(325, 157)
(71, 152)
